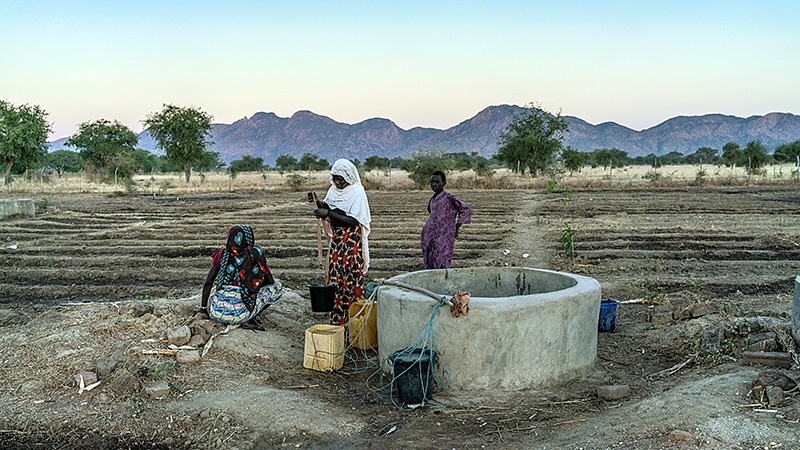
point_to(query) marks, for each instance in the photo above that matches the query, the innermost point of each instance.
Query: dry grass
(397, 180)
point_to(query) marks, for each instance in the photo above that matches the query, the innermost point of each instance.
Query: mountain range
(267, 136)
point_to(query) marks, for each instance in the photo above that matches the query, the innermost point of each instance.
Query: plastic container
(608, 315)
(322, 297)
(363, 326)
(324, 349)
(413, 375)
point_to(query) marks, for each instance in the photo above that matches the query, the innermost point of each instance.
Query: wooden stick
(319, 240)
(327, 264)
(160, 351)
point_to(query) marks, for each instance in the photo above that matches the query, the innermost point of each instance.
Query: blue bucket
(608, 315)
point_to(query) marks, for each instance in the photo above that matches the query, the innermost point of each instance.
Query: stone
(713, 337)
(162, 309)
(200, 334)
(186, 309)
(179, 335)
(754, 324)
(198, 340)
(105, 366)
(769, 359)
(157, 389)
(257, 378)
(32, 386)
(681, 436)
(703, 309)
(765, 345)
(661, 318)
(187, 357)
(213, 327)
(613, 392)
(88, 378)
(125, 384)
(775, 378)
(775, 395)
(684, 314)
(138, 309)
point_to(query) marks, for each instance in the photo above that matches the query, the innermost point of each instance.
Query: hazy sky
(431, 64)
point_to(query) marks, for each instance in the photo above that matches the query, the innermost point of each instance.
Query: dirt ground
(95, 278)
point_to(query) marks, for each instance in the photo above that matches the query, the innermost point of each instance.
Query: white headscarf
(352, 200)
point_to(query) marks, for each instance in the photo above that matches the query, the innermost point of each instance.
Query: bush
(424, 162)
(295, 181)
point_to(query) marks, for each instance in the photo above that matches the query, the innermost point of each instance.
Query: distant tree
(313, 162)
(101, 141)
(603, 157)
(23, 136)
(209, 161)
(64, 161)
(143, 161)
(787, 152)
(732, 154)
(461, 160)
(286, 163)
(670, 158)
(376, 162)
(397, 162)
(574, 160)
(423, 162)
(532, 138)
(703, 155)
(246, 164)
(609, 158)
(167, 165)
(181, 132)
(481, 165)
(123, 166)
(653, 160)
(755, 156)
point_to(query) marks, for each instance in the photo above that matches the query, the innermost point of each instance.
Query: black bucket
(413, 375)
(322, 297)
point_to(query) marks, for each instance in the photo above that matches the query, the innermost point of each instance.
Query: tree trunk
(9, 165)
(187, 170)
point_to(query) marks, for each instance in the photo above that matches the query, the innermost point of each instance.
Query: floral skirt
(226, 306)
(346, 270)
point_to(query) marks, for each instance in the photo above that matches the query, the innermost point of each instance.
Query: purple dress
(439, 233)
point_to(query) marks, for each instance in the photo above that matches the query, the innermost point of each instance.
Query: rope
(419, 356)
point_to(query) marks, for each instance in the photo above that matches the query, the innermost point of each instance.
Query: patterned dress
(239, 293)
(439, 233)
(346, 270)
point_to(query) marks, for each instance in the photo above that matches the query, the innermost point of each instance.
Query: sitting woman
(239, 284)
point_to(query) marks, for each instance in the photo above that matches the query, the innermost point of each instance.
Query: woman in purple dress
(447, 214)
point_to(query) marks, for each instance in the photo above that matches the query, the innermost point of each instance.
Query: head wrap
(244, 262)
(352, 200)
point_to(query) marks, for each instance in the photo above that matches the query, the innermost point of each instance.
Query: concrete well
(526, 327)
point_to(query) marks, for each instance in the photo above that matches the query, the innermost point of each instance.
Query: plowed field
(734, 248)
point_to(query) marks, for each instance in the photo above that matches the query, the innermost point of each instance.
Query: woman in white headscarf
(346, 212)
